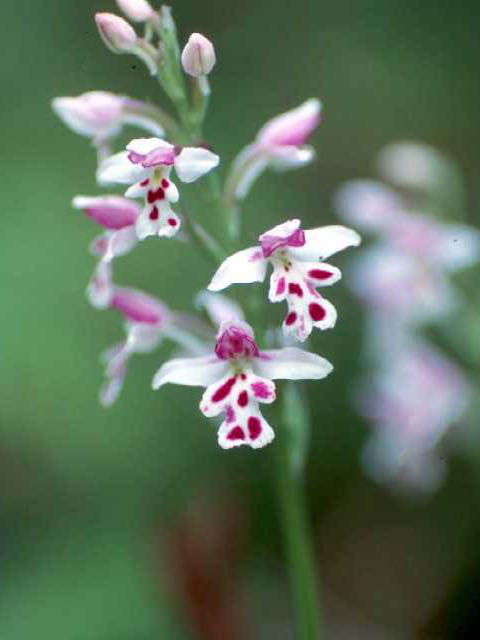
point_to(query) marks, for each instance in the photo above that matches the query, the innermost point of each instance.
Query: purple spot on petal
(320, 274)
(242, 399)
(295, 289)
(317, 312)
(280, 286)
(236, 434)
(254, 427)
(222, 392)
(261, 390)
(290, 319)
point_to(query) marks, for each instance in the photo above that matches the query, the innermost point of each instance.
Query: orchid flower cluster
(223, 356)
(405, 282)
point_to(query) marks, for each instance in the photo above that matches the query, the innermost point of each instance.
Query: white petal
(119, 169)
(325, 241)
(291, 363)
(192, 372)
(121, 242)
(242, 267)
(285, 158)
(459, 247)
(193, 162)
(143, 337)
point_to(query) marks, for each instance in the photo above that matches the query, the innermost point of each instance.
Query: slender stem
(208, 246)
(298, 545)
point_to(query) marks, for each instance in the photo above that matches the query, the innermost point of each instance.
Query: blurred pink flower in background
(405, 281)
(415, 398)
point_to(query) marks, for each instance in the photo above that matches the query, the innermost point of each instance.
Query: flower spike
(293, 254)
(238, 377)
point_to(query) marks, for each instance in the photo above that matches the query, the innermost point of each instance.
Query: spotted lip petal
(238, 395)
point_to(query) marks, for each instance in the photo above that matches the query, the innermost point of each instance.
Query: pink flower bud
(92, 114)
(291, 128)
(198, 56)
(136, 10)
(116, 33)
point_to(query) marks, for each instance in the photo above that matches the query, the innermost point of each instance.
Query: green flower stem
(298, 544)
(206, 244)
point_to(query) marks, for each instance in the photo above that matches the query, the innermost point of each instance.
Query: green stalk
(297, 541)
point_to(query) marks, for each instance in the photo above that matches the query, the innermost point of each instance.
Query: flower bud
(198, 56)
(136, 10)
(96, 114)
(116, 33)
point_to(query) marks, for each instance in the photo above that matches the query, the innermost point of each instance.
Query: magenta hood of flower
(292, 128)
(236, 340)
(289, 235)
(160, 153)
(137, 306)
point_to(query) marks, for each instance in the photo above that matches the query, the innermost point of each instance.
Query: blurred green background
(93, 501)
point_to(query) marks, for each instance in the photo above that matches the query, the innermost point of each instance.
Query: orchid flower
(146, 165)
(237, 377)
(293, 254)
(280, 145)
(148, 322)
(118, 216)
(414, 400)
